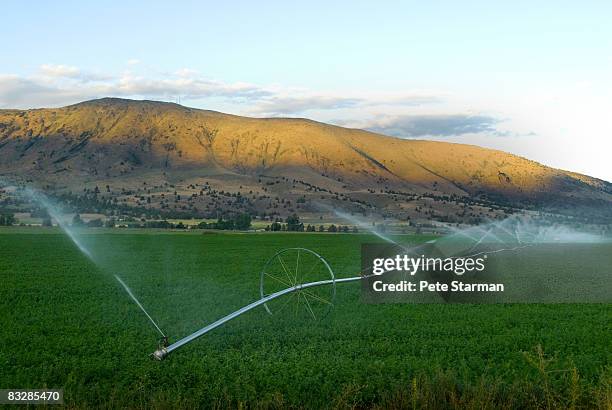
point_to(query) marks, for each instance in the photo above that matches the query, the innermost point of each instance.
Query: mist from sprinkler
(55, 213)
(510, 234)
(363, 224)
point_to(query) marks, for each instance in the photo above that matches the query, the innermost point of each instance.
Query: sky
(530, 78)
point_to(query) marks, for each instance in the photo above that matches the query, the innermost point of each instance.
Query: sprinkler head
(160, 354)
(161, 351)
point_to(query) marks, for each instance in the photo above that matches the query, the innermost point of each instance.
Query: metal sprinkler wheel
(304, 270)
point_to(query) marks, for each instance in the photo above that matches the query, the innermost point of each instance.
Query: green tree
(224, 224)
(293, 223)
(159, 224)
(243, 222)
(7, 219)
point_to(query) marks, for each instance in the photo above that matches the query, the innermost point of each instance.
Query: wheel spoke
(309, 308)
(297, 305)
(297, 264)
(320, 299)
(310, 271)
(277, 279)
(285, 269)
(289, 299)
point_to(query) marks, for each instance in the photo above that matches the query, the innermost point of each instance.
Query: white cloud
(292, 102)
(18, 92)
(276, 105)
(51, 72)
(56, 85)
(186, 72)
(60, 71)
(435, 125)
(62, 85)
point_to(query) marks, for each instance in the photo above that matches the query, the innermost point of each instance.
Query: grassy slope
(66, 323)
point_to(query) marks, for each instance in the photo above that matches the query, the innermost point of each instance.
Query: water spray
(129, 292)
(55, 213)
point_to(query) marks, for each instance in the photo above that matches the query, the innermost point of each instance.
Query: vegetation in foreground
(67, 324)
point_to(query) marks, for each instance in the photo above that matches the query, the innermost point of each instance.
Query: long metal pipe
(163, 351)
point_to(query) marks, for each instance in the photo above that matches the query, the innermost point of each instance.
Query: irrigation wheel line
(293, 276)
(280, 270)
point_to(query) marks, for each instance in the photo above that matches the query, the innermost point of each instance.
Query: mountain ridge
(119, 140)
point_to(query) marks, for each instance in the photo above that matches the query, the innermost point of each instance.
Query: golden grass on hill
(114, 137)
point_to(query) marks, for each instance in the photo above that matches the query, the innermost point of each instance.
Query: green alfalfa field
(66, 323)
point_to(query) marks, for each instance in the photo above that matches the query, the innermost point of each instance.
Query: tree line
(7, 219)
(239, 222)
(293, 224)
